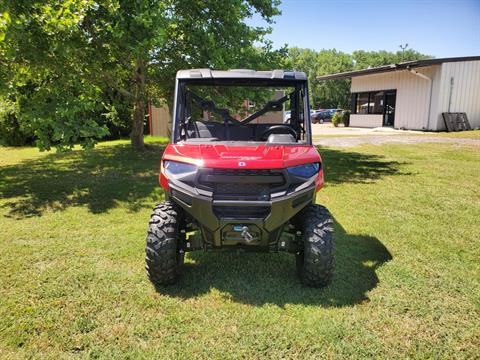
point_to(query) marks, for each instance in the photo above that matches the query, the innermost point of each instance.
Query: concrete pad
(328, 129)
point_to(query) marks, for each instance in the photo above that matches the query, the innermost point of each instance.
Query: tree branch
(114, 84)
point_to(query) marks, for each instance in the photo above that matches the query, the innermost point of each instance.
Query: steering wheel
(278, 129)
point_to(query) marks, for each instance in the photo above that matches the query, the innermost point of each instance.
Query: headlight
(177, 168)
(306, 171)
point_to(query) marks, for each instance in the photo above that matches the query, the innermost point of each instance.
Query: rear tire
(164, 254)
(315, 261)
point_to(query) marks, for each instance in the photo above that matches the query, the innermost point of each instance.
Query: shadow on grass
(98, 179)
(102, 177)
(354, 167)
(259, 279)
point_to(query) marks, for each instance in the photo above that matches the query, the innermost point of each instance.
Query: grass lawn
(473, 134)
(407, 284)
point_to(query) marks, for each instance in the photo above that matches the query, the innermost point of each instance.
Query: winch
(240, 234)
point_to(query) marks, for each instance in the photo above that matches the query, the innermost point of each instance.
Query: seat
(206, 130)
(242, 133)
(281, 139)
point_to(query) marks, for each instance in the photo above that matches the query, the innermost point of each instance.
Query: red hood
(250, 157)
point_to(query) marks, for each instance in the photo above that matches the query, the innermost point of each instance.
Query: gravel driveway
(328, 135)
(351, 141)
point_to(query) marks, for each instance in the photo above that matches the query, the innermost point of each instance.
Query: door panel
(389, 108)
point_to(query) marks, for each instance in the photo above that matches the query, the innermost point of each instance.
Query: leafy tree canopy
(60, 57)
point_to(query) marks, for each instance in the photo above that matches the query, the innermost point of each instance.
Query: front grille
(241, 172)
(241, 212)
(239, 191)
(208, 177)
(241, 184)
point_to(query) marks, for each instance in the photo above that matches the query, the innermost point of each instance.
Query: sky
(441, 28)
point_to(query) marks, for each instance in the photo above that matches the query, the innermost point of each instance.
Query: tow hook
(246, 235)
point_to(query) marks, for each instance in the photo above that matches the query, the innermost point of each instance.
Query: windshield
(248, 112)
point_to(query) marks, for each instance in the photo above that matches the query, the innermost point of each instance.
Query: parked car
(286, 117)
(316, 117)
(326, 115)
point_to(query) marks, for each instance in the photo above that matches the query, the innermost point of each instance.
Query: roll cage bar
(209, 105)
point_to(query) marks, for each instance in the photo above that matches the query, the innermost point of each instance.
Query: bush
(341, 117)
(117, 118)
(12, 133)
(336, 119)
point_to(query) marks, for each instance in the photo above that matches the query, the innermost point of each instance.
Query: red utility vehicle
(236, 177)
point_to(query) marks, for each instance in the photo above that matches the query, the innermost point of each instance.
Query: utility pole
(403, 47)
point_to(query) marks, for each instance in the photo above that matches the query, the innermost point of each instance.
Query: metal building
(413, 95)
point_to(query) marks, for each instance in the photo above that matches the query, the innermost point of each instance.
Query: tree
(63, 56)
(336, 93)
(303, 60)
(326, 94)
(364, 59)
(331, 94)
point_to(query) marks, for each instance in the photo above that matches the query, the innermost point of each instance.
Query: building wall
(413, 95)
(160, 121)
(463, 95)
(364, 120)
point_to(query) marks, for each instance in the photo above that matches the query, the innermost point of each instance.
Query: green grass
(473, 134)
(72, 280)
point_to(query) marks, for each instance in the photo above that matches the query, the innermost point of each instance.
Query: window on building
(361, 106)
(368, 102)
(376, 99)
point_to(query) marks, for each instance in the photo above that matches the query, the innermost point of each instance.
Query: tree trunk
(139, 107)
(136, 136)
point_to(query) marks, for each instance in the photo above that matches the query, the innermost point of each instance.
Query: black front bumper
(220, 220)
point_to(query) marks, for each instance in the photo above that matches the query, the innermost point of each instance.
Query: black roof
(394, 67)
